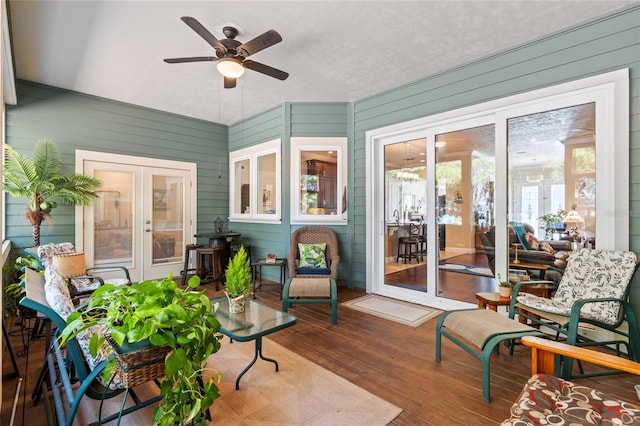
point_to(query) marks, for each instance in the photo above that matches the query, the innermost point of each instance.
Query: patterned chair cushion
(57, 293)
(590, 274)
(47, 251)
(312, 255)
(84, 338)
(549, 400)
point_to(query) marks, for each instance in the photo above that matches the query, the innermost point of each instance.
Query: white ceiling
(333, 50)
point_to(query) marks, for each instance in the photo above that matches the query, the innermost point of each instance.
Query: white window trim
(252, 154)
(299, 144)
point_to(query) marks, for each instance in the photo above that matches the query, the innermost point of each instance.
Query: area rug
(395, 310)
(466, 269)
(301, 393)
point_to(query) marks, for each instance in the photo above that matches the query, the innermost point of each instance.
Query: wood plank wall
(77, 121)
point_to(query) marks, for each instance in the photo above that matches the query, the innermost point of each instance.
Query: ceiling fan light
(230, 67)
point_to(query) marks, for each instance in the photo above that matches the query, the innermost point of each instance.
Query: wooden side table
(492, 301)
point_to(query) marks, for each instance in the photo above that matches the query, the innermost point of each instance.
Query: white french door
(143, 215)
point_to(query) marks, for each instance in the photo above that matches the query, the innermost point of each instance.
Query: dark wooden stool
(210, 256)
(187, 255)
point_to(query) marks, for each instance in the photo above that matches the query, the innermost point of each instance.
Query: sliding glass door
(508, 190)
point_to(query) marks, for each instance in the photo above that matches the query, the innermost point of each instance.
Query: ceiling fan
(231, 54)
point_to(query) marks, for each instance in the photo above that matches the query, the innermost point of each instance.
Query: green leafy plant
(505, 284)
(39, 180)
(550, 218)
(238, 275)
(15, 291)
(164, 315)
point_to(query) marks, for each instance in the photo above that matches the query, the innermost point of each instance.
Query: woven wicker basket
(139, 366)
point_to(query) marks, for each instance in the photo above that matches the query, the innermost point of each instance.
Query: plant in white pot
(504, 287)
(238, 281)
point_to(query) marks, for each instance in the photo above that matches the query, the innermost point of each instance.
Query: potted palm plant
(160, 314)
(238, 281)
(39, 180)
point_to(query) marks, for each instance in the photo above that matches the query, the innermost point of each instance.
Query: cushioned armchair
(313, 269)
(594, 290)
(314, 235)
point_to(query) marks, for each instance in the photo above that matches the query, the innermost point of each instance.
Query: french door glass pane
(465, 181)
(113, 214)
(168, 218)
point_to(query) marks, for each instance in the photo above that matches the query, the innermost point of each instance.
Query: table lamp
(70, 265)
(573, 220)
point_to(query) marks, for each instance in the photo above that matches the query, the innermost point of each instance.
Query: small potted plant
(271, 258)
(504, 287)
(238, 281)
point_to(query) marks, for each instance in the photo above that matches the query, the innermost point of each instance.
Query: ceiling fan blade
(191, 59)
(265, 69)
(204, 33)
(259, 43)
(229, 83)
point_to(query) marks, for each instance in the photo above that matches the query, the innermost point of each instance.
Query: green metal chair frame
(64, 368)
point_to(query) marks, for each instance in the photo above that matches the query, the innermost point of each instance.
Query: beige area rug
(395, 310)
(301, 393)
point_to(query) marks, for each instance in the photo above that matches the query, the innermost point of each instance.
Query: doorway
(143, 215)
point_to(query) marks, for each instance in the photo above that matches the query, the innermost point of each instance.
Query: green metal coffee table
(256, 321)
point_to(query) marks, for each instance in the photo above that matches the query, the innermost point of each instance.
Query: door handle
(147, 230)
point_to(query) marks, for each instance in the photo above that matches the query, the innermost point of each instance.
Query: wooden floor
(394, 361)
(451, 284)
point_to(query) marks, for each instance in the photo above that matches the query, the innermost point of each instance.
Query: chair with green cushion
(313, 269)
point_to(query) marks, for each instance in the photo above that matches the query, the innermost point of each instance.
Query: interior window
(254, 183)
(318, 189)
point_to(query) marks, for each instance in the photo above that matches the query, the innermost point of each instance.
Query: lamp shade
(70, 265)
(230, 67)
(574, 219)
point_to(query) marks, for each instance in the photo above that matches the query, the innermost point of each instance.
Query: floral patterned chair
(550, 400)
(594, 289)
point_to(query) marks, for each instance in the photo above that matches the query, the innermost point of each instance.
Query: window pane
(267, 184)
(242, 178)
(551, 172)
(318, 183)
(465, 182)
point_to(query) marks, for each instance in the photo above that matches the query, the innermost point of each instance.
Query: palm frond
(18, 164)
(46, 159)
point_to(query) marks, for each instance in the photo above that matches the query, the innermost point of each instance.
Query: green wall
(77, 121)
(604, 45)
